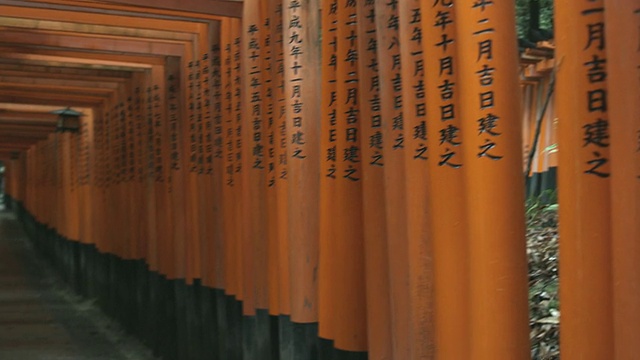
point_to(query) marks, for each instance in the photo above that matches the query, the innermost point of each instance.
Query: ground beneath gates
(40, 319)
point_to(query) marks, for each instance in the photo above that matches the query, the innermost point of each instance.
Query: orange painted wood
(208, 202)
(61, 40)
(97, 193)
(270, 38)
(141, 129)
(623, 59)
(373, 202)
(132, 222)
(219, 117)
(86, 180)
(584, 184)
(492, 157)
(387, 26)
(148, 173)
(327, 295)
(348, 271)
(97, 19)
(59, 72)
(252, 175)
(162, 172)
(75, 191)
(281, 150)
(178, 164)
(229, 177)
(106, 189)
(212, 10)
(236, 121)
(201, 48)
(238, 189)
(545, 127)
(203, 181)
(67, 185)
(446, 201)
(190, 171)
(528, 127)
(303, 126)
(124, 235)
(417, 194)
(119, 202)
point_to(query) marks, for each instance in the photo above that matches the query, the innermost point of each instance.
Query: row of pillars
(360, 167)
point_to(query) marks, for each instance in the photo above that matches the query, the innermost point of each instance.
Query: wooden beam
(25, 38)
(43, 70)
(123, 20)
(59, 77)
(60, 57)
(64, 26)
(19, 140)
(59, 64)
(211, 9)
(40, 82)
(50, 99)
(27, 116)
(26, 130)
(51, 89)
(38, 108)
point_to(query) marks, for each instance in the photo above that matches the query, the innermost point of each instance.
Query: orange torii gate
(325, 179)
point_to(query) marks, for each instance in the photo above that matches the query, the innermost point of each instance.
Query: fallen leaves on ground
(544, 307)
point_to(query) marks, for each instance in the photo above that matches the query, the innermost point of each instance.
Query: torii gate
(285, 179)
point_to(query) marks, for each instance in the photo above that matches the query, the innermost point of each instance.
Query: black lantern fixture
(68, 120)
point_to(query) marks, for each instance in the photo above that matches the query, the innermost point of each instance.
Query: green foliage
(523, 16)
(545, 202)
(553, 148)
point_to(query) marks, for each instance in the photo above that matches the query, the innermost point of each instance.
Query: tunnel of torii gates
(336, 179)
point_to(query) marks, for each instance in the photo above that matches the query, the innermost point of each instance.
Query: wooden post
(327, 296)
(414, 118)
(229, 177)
(373, 202)
(491, 129)
(218, 161)
(273, 23)
(447, 200)
(623, 59)
(204, 143)
(282, 196)
(586, 330)
(161, 172)
(350, 328)
(254, 160)
(99, 177)
(138, 164)
(149, 175)
(239, 143)
(302, 84)
(133, 192)
(392, 128)
(190, 167)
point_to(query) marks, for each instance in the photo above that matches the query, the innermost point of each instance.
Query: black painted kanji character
(484, 150)
(596, 163)
(596, 133)
(446, 159)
